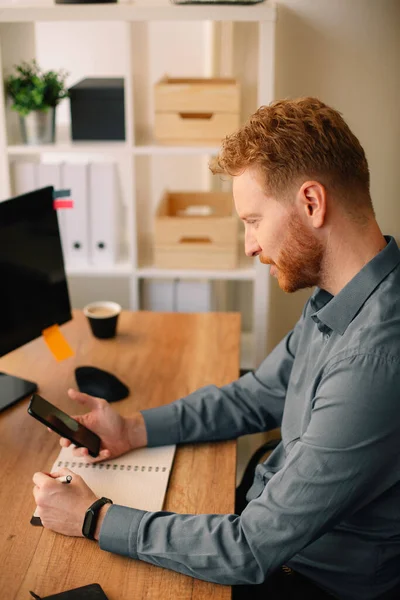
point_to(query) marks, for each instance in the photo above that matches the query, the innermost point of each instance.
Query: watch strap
(91, 516)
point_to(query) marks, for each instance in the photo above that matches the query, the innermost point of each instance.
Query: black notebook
(87, 592)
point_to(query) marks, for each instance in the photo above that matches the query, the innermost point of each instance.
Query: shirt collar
(337, 312)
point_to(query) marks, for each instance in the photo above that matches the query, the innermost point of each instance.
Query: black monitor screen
(33, 287)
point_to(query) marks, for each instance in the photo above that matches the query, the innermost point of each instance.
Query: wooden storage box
(182, 241)
(202, 110)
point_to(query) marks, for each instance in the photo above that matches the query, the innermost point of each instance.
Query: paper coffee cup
(103, 318)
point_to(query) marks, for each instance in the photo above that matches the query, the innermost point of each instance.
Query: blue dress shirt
(327, 500)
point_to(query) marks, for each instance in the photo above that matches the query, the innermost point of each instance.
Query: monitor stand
(13, 389)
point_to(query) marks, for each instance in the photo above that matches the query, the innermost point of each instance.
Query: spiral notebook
(138, 479)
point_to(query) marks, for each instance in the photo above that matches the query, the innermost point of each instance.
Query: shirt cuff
(118, 533)
(162, 425)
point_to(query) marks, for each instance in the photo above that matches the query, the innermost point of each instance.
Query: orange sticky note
(57, 343)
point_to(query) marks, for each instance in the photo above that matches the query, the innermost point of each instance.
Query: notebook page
(137, 479)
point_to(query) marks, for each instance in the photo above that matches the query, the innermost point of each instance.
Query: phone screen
(63, 424)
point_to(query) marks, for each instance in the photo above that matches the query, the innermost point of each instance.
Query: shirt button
(326, 336)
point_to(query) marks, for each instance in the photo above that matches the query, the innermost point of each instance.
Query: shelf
(153, 148)
(65, 144)
(120, 269)
(137, 11)
(245, 272)
(147, 147)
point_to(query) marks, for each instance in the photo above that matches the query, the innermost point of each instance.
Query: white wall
(83, 49)
(347, 53)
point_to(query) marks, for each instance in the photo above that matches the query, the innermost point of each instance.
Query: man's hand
(62, 507)
(117, 434)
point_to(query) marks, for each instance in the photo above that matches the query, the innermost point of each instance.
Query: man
(326, 503)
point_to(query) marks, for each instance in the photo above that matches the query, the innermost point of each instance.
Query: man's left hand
(62, 507)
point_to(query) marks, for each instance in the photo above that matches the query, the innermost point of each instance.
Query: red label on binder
(63, 203)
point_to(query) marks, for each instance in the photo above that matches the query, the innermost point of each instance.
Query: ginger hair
(291, 141)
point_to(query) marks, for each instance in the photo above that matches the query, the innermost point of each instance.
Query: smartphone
(63, 424)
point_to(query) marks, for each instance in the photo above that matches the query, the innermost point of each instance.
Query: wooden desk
(161, 357)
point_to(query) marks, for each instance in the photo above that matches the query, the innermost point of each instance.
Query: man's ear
(312, 201)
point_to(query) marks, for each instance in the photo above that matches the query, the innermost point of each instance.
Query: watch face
(90, 520)
(87, 523)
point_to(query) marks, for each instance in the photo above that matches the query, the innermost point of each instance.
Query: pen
(64, 479)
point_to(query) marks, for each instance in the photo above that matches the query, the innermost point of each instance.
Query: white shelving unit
(138, 11)
(229, 33)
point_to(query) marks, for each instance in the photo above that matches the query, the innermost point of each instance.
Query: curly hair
(301, 138)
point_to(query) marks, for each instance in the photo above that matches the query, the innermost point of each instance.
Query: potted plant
(35, 95)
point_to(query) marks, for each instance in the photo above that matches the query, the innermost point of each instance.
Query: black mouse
(99, 383)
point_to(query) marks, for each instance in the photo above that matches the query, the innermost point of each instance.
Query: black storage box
(97, 109)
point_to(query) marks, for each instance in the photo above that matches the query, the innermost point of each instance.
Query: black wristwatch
(91, 516)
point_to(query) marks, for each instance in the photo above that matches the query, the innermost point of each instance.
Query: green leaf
(30, 88)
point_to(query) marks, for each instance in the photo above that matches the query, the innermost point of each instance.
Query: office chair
(248, 474)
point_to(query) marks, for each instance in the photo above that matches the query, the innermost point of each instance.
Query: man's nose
(251, 246)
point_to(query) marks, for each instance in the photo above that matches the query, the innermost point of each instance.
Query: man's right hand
(117, 434)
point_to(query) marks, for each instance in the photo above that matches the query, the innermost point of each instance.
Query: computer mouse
(99, 383)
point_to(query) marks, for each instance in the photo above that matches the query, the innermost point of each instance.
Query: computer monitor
(33, 286)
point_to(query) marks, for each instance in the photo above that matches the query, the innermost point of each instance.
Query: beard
(299, 263)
